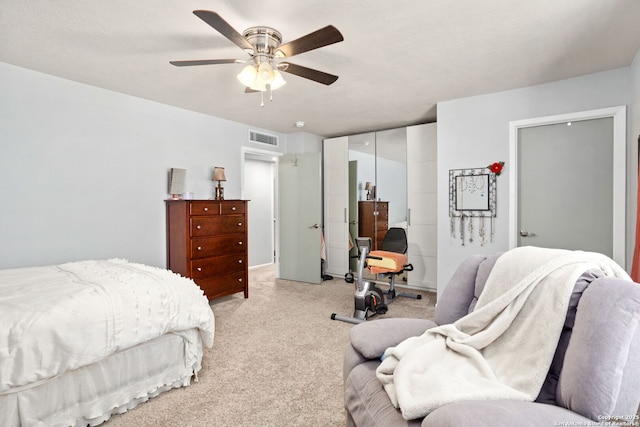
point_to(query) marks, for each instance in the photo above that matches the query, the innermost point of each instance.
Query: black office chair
(394, 241)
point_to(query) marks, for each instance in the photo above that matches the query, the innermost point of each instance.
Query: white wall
(366, 171)
(303, 142)
(474, 132)
(392, 187)
(391, 182)
(83, 170)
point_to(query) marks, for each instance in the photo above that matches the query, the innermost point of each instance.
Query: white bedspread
(504, 348)
(62, 317)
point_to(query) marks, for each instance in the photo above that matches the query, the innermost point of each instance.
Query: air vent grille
(263, 138)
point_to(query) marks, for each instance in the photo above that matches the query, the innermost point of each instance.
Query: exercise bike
(369, 299)
(391, 261)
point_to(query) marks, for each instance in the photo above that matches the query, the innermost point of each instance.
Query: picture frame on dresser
(207, 242)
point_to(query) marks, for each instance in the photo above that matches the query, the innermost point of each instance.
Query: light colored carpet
(276, 359)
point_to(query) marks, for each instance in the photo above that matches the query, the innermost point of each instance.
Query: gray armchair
(594, 377)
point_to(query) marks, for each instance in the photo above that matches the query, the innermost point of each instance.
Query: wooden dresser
(373, 221)
(207, 242)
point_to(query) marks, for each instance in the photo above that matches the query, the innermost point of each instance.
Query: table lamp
(218, 175)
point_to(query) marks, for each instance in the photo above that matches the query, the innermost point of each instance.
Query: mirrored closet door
(379, 197)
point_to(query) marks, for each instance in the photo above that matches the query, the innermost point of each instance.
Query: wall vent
(263, 138)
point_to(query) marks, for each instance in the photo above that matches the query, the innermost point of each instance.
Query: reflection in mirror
(391, 174)
(362, 169)
(379, 158)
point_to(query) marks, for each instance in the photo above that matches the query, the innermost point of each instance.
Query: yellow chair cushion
(391, 262)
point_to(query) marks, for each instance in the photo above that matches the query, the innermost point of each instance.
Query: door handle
(314, 226)
(525, 233)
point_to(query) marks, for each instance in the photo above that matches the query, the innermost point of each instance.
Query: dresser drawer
(204, 207)
(232, 208)
(204, 247)
(224, 284)
(220, 224)
(208, 267)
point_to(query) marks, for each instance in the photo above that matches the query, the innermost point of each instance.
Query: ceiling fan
(263, 44)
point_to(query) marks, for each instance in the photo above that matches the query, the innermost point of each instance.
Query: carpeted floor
(276, 359)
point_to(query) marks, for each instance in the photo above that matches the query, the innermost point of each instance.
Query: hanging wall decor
(472, 203)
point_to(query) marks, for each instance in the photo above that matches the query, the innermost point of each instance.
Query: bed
(84, 340)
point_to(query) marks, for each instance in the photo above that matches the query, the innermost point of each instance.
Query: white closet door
(336, 200)
(421, 204)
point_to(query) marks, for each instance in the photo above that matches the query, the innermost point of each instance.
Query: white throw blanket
(504, 348)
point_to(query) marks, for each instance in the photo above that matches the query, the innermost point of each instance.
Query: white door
(570, 181)
(421, 204)
(336, 202)
(299, 209)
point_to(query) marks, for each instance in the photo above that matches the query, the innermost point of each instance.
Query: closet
(391, 171)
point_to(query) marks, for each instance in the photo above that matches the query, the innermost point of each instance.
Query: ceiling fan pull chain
(262, 98)
(270, 93)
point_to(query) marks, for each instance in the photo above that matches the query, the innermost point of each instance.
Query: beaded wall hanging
(472, 204)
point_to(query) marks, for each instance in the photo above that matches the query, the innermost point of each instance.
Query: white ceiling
(397, 60)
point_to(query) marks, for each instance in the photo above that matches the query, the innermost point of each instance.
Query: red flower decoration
(496, 168)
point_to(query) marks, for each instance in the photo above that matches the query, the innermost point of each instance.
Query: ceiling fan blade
(322, 37)
(223, 27)
(307, 73)
(205, 62)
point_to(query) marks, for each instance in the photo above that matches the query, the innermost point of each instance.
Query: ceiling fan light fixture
(258, 85)
(266, 72)
(262, 77)
(278, 81)
(248, 76)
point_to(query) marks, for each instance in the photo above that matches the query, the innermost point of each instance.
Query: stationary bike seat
(386, 262)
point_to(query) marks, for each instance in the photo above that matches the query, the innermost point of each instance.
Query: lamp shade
(368, 186)
(248, 75)
(218, 174)
(257, 77)
(177, 180)
(278, 81)
(266, 73)
(258, 85)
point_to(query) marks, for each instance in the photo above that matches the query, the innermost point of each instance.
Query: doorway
(259, 181)
(567, 183)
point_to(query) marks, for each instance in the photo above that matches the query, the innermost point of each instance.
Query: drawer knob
(239, 224)
(240, 280)
(199, 248)
(239, 261)
(198, 227)
(240, 242)
(206, 209)
(199, 268)
(233, 208)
